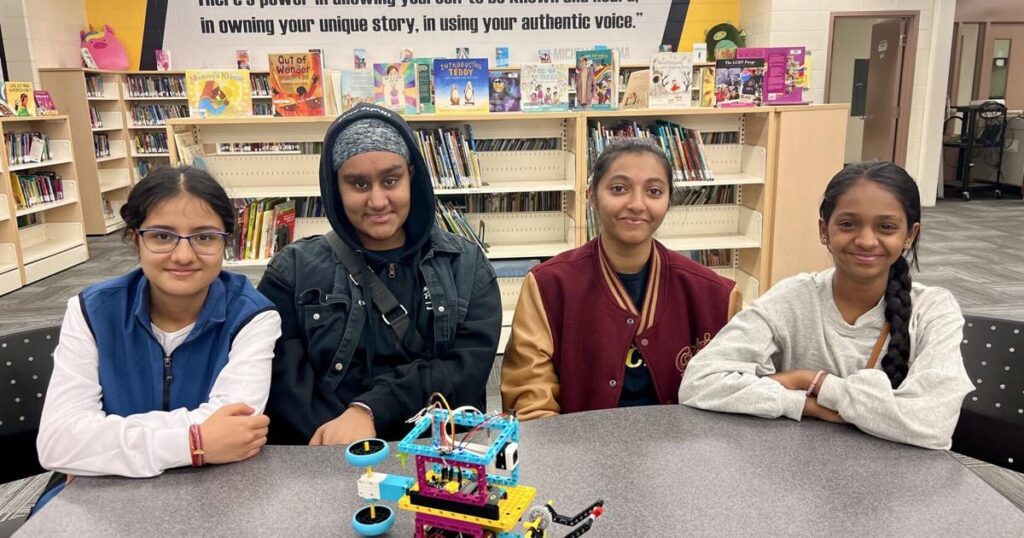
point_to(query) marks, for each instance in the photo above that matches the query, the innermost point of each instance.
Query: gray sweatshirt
(796, 325)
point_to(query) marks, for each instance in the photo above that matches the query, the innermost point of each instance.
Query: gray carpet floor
(974, 249)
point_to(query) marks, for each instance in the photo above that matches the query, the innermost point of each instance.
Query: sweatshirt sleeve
(77, 437)
(729, 374)
(529, 384)
(924, 409)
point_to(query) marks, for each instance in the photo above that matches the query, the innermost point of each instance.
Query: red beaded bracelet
(195, 441)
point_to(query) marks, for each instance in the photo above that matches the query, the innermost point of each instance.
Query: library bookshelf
(110, 103)
(779, 164)
(47, 237)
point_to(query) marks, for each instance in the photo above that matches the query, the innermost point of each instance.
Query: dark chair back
(991, 426)
(26, 362)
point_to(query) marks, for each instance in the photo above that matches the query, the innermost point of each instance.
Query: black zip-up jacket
(335, 349)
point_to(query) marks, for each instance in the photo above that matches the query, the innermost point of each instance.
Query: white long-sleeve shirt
(797, 325)
(77, 437)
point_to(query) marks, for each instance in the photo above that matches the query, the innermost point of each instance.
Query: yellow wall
(702, 15)
(126, 17)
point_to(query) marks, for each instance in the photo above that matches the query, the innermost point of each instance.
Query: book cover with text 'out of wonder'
(296, 84)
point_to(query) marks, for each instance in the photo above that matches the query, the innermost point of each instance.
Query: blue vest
(135, 375)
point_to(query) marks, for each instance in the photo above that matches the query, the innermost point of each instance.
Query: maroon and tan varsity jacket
(575, 322)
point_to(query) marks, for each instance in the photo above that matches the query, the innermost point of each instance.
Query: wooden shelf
(52, 240)
(701, 227)
(31, 166)
(60, 151)
(519, 186)
(176, 98)
(114, 223)
(110, 158)
(30, 119)
(528, 250)
(273, 192)
(148, 155)
(748, 285)
(70, 197)
(111, 179)
(722, 179)
(747, 227)
(147, 127)
(104, 98)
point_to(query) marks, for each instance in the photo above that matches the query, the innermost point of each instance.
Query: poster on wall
(207, 34)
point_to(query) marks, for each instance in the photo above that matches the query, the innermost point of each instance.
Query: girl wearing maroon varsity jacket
(614, 322)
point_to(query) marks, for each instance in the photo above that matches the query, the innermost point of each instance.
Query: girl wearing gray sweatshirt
(859, 343)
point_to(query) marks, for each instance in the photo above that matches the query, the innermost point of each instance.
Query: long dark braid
(895, 362)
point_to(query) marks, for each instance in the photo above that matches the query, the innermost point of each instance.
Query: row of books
(721, 137)
(156, 115)
(27, 147)
(451, 219)
(296, 148)
(518, 144)
(711, 258)
(262, 109)
(516, 201)
(143, 168)
(94, 86)
(149, 143)
(260, 84)
(155, 86)
(450, 156)
(95, 121)
(684, 147)
(263, 227)
(712, 194)
(31, 219)
(34, 189)
(101, 145)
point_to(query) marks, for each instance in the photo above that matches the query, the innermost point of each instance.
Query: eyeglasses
(160, 241)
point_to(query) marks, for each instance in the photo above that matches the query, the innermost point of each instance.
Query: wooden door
(1010, 36)
(882, 112)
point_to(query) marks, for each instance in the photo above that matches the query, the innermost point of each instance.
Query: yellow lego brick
(511, 508)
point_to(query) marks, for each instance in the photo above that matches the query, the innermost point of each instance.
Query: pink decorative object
(105, 48)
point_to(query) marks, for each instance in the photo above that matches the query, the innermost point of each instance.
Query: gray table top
(662, 471)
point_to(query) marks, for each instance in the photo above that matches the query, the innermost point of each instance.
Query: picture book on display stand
(505, 92)
(461, 86)
(785, 73)
(21, 96)
(670, 79)
(394, 87)
(218, 92)
(544, 87)
(296, 84)
(597, 76)
(738, 83)
(638, 90)
(424, 68)
(356, 87)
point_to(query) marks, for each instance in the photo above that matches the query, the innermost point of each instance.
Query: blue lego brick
(394, 487)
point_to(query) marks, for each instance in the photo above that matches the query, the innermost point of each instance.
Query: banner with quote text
(206, 33)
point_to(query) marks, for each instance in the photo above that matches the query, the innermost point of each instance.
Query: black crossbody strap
(394, 313)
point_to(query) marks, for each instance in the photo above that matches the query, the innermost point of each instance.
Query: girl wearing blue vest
(168, 365)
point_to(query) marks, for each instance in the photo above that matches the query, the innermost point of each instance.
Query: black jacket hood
(421, 211)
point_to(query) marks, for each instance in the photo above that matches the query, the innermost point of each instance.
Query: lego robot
(465, 484)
